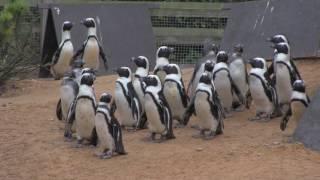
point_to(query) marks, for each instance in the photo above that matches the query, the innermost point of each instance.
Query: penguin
(157, 110)
(175, 93)
(238, 73)
(108, 129)
(69, 89)
(209, 52)
(126, 100)
(299, 102)
(83, 112)
(207, 107)
(63, 55)
(162, 59)
(284, 74)
(141, 72)
(263, 94)
(91, 49)
(224, 84)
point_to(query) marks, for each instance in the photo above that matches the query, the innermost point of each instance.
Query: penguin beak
(133, 59)
(273, 46)
(269, 39)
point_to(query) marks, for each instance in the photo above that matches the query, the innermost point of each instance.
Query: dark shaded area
(124, 30)
(308, 128)
(250, 23)
(49, 46)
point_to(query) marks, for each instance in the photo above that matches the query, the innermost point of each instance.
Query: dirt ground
(32, 145)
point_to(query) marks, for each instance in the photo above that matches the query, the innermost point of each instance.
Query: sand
(32, 144)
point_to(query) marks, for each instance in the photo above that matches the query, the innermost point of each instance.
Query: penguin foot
(283, 124)
(106, 155)
(255, 118)
(77, 145)
(241, 108)
(168, 136)
(179, 125)
(210, 136)
(130, 129)
(276, 113)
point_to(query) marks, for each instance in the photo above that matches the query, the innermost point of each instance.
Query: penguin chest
(62, 65)
(138, 89)
(162, 75)
(283, 83)
(85, 115)
(123, 107)
(105, 139)
(67, 97)
(297, 109)
(153, 115)
(259, 97)
(172, 95)
(223, 87)
(203, 111)
(91, 54)
(238, 75)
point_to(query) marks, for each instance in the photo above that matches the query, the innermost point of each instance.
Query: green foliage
(16, 54)
(9, 16)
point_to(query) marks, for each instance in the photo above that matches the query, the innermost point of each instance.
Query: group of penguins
(159, 101)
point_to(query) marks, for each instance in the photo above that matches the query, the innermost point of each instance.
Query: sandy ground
(32, 144)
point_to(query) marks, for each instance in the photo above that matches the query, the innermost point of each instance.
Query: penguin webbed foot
(78, 144)
(106, 155)
(210, 135)
(283, 123)
(256, 117)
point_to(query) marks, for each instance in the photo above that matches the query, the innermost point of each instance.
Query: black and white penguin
(141, 72)
(83, 112)
(284, 74)
(209, 52)
(126, 100)
(175, 93)
(224, 84)
(239, 75)
(262, 93)
(91, 49)
(206, 105)
(108, 129)
(157, 109)
(162, 59)
(299, 102)
(62, 57)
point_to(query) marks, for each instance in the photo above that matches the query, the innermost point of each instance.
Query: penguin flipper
(295, 69)
(183, 94)
(94, 137)
(235, 89)
(103, 56)
(195, 70)
(117, 135)
(189, 111)
(285, 119)
(59, 110)
(56, 55)
(78, 53)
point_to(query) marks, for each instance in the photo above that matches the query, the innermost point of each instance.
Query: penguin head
(164, 51)
(222, 56)
(140, 61)
(205, 78)
(172, 69)
(87, 79)
(210, 48)
(299, 86)
(238, 49)
(105, 97)
(89, 22)
(124, 72)
(89, 71)
(281, 48)
(208, 66)
(67, 26)
(279, 38)
(258, 62)
(152, 80)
